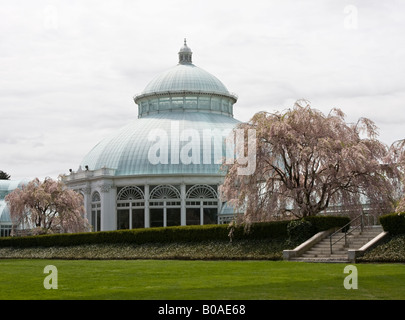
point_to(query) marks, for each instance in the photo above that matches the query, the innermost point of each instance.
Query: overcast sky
(69, 69)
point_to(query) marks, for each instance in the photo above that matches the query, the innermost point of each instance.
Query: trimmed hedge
(196, 233)
(300, 230)
(263, 230)
(394, 223)
(322, 223)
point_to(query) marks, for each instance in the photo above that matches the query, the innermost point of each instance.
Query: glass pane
(138, 218)
(192, 216)
(177, 102)
(98, 220)
(215, 104)
(5, 230)
(210, 215)
(164, 104)
(154, 105)
(191, 102)
(225, 105)
(93, 220)
(156, 217)
(145, 106)
(173, 216)
(203, 103)
(123, 219)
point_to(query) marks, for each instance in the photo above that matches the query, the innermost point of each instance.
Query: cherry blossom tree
(401, 206)
(48, 207)
(398, 148)
(307, 162)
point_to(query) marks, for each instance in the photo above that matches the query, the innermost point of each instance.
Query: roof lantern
(187, 88)
(185, 54)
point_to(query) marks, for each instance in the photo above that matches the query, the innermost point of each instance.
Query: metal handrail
(361, 226)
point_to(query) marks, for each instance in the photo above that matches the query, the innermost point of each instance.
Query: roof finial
(185, 54)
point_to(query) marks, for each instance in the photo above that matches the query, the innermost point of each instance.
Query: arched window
(96, 211)
(201, 192)
(130, 208)
(95, 197)
(130, 193)
(165, 192)
(201, 205)
(165, 206)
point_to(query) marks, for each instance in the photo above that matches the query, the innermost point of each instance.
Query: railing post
(346, 232)
(345, 238)
(330, 238)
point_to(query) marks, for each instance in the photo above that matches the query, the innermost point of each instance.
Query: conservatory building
(163, 168)
(6, 187)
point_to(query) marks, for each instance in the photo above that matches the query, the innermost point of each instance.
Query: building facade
(163, 168)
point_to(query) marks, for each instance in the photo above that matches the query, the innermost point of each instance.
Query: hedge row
(394, 223)
(303, 229)
(264, 230)
(322, 223)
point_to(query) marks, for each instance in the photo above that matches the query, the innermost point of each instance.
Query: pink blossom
(307, 162)
(47, 206)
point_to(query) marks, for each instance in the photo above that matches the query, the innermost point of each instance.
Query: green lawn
(199, 280)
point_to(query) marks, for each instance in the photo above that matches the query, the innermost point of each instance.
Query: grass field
(198, 280)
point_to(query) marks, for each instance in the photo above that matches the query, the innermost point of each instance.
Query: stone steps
(321, 252)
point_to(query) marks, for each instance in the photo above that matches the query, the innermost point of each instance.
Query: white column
(130, 215)
(108, 207)
(164, 214)
(219, 203)
(201, 213)
(147, 213)
(183, 204)
(87, 203)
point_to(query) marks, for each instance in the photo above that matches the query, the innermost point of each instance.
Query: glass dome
(185, 77)
(185, 114)
(187, 143)
(185, 87)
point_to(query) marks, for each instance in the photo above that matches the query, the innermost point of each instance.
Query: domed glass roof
(185, 77)
(132, 150)
(187, 88)
(184, 116)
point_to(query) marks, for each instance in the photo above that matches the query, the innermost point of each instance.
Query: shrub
(151, 235)
(262, 230)
(390, 249)
(256, 231)
(394, 223)
(300, 230)
(322, 223)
